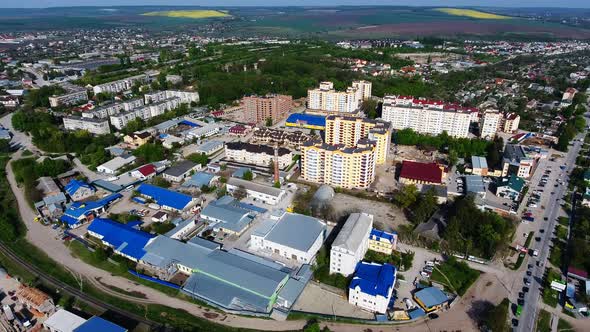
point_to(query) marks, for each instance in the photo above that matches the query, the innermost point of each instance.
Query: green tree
(248, 175)
(198, 158)
(406, 196)
(268, 122)
(453, 158)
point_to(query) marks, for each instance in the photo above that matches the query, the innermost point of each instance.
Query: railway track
(61, 286)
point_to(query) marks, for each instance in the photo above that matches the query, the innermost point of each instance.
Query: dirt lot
(386, 214)
(317, 299)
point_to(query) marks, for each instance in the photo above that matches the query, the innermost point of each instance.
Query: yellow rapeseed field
(472, 13)
(189, 13)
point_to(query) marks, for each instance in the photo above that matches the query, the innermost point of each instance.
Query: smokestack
(276, 163)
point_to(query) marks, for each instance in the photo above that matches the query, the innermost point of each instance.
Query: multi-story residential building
(490, 123)
(257, 109)
(347, 130)
(426, 116)
(104, 112)
(338, 165)
(74, 95)
(325, 98)
(511, 122)
(382, 241)
(516, 161)
(257, 154)
(120, 85)
(277, 136)
(120, 120)
(94, 126)
(372, 286)
(364, 88)
(186, 97)
(351, 244)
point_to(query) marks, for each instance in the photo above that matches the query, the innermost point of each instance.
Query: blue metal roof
(313, 120)
(124, 238)
(78, 210)
(374, 279)
(378, 235)
(69, 220)
(97, 324)
(165, 197)
(73, 186)
(199, 179)
(188, 123)
(416, 313)
(431, 296)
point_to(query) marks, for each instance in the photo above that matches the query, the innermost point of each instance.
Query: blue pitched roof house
(167, 199)
(372, 286)
(125, 240)
(79, 190)
(431, 298)
(79, 212)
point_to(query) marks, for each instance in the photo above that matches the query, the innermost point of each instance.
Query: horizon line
(297, 6)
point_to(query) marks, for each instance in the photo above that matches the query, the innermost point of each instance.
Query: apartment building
(120, 85)
(490, 123)
(326, 98)
(511, 123)
(338, 165)
(74, 95)
(186, 97)
(426, 116)
(120, 120)
(272, 106)
(516, 161)
(94, 126)
(351, 244)
(277, 136)
(348, 131)
(104, 112)
(257, 154)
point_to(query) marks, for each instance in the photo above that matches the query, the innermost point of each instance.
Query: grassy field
(195, 14)
(458, 273)
(544, 322)
(472, 13)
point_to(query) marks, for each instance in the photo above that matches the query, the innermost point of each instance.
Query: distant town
(173, 181)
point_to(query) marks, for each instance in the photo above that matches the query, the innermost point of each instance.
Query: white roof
(64, 321)
(354, 231)
(117, 162)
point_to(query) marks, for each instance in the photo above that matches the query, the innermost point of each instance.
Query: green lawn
(561, 232)
(556, 253)
(563, 325)
(544, 322)
(458, 273)
(550, 296)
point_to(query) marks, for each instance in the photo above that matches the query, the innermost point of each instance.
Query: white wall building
(256, 154)
(327, 99)
(372, 286)
(255, 191)
(94, 126)
(120, 120)
(426, 116)
(293, 237)
(111, 166)
(186, 97)
(351, 244)
(120, 85)
(490, 123)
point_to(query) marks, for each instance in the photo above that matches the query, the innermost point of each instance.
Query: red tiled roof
(428, 172)
(147, 169)
(578, 272)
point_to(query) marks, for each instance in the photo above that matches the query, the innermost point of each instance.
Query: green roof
(514, 182)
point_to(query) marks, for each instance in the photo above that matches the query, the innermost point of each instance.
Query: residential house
(382, 241)
(182, 170)
(79, 190)
(145, 172)
(137, 139)
(431, 299)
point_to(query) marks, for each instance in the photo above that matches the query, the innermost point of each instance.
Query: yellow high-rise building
(338, 165)
(348, 131)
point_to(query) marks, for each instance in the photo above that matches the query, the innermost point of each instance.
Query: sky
(449, 3)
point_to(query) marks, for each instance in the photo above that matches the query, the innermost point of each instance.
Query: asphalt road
(529, 313)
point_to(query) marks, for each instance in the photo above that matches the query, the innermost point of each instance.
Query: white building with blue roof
(125, 240)
(80, 212)
(168, 199)
(79, 190)
(372, 286)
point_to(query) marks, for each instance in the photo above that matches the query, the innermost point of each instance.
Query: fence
(158, 281)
